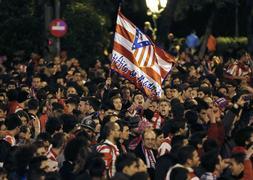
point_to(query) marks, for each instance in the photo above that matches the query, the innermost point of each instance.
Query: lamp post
(155, 8)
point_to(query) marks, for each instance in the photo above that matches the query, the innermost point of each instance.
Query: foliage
(19, 28)
(226, 43)
(87, 35)
(184, 6)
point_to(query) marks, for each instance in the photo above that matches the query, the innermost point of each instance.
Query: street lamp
(155, 8)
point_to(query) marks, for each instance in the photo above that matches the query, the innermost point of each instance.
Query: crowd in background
(60, 121)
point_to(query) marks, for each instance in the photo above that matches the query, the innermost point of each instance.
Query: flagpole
(119, 9)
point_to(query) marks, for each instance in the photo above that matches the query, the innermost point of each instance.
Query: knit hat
(221, 102)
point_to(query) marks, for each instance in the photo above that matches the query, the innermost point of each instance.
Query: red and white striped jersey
(110, 153)
(157, 121)
(235, 69)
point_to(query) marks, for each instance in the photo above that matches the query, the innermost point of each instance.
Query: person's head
(152, 104)
(244, 136)
(97, 167)
(124, 135)
(53, 125)
(178, 127)
(33, 104)
(36, 82)
(176, 81)
(126, 93)
(39, 148)
(45, 138)
(69, 122)
(11, 85)
(197, 139)
(61, 81)
(179, 173)
(194, 93)
(174, 93)
(84, 105)
(23, 116)
(210, 145)
(168, 92)
(237, 163)
(179, 141)
(142, 167)
(58, 140)
(89, 126)
(12, 94)
(77, 76)
(187, 92)
(231, 87)
(116, 102)
(13, 122)
(149, 138)
(188, 156)
(202, 93)
(210, 160)
(112, 130)
(159, 137)
(94, 104)
(138, 99)
(202, 111)
(76, 150)
(22, 96)
(164, 107)
(127, 164)
(71, 90)
(177, 109)
(25, 133)
(223, 91)
(71, 104)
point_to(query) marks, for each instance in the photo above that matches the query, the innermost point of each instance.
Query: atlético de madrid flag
(136, 58)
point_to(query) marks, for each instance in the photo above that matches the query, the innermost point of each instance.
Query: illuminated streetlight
(155, 8)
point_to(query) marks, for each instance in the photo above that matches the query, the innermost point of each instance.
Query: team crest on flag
(136, 58)
(140, 45)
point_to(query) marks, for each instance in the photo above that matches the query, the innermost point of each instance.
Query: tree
(87, 34)
(20, 29)
(250, 24)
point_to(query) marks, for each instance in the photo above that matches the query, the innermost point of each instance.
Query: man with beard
(108, 148)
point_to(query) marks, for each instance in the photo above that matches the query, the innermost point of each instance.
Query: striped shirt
(110, 153)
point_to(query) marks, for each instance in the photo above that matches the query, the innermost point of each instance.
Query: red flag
(136, 58)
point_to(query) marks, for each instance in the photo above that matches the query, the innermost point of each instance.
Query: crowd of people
(60, 121)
